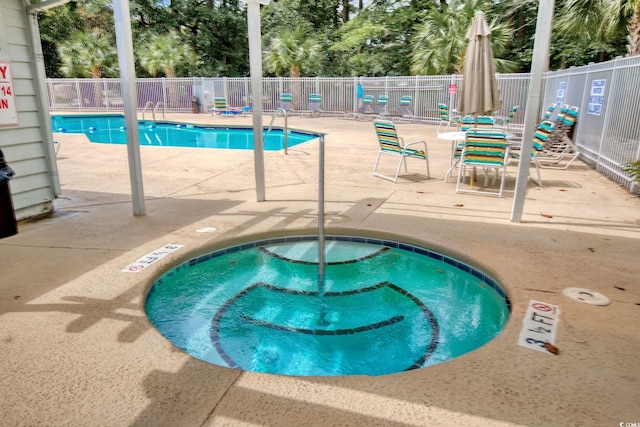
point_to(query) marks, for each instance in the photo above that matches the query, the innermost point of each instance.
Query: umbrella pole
(472, 175)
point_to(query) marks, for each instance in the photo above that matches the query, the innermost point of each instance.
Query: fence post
(80, 97)
(386, 88)
(354, 99)
(607, 114)
(164, 91)
(416, 98)
(634, 184)
(450, 103)
(101, 96)
(225, 90)
(584, 105)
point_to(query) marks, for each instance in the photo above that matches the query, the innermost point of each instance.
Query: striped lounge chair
(478, 122)
(220, 108)
(445, 118)
(366, 106)
(380, 110)
(558, 150)
(512, 114)
(541, 143)
(487, 149)
(403, 112)
(465, 123)
(313, 108)
(391, 144)
(285, 102)
(510, 126)
(548, 112)
(381, 105)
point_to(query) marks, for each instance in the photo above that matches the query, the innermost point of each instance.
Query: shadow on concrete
(48, 251)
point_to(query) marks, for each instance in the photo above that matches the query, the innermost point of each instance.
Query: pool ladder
(155, 108)
(286, 127)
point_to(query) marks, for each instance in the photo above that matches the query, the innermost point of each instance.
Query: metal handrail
(322, 321)
(286, 128)
(149, 103)
(158, 104)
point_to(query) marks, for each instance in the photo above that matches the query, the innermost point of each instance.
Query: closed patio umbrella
(479, 94)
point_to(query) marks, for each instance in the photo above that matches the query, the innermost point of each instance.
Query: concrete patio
(77, 348)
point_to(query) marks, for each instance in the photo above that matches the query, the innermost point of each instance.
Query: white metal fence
(607, 132)
(339, 95)
(608, 129)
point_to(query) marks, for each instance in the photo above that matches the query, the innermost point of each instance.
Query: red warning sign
(8, 111)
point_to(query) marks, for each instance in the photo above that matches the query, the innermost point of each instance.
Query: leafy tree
(217, 31)
(294, 52)
(376, 37)
(321, 14)
(440, 44)
(61, 24)
(360, 46)
(220, 39)
(280, 16)
(570, 45)
(376, 41)
(55, 25)
(95, 14)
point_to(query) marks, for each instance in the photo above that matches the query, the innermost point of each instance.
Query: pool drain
(586, 295)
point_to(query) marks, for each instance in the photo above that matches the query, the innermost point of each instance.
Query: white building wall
(24, 145)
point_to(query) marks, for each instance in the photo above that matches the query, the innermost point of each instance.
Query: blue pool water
(110, 129)
(387, 307)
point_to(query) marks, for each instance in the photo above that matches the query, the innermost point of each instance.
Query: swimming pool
(110, 129)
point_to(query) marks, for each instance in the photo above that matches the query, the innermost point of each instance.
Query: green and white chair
(465, 123)
(390, 144)
(366, 107)
(381, 105)
(515, 128)
(445, 118)
(558, 150)
(286, 99)
(220, 108)
(549, 112)
(403, 112)
(313, 108)
(485, 149)
(470, 121)
(512, 114)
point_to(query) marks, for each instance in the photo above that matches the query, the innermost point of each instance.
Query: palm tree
(603, 19)
(440, 42)
(89, 55)
(293, 52)
(164, 53)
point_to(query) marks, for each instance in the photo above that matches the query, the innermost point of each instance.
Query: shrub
(634, 170)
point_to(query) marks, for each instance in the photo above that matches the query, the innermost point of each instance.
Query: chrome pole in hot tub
(323, 308)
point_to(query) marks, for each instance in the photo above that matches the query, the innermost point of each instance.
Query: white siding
(24, 145)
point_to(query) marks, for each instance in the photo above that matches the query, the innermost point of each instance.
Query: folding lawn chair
(392, 144)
